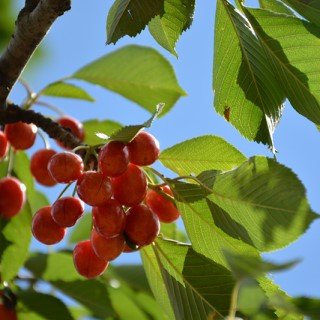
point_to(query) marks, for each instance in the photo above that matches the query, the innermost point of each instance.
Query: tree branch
(33, 23)
(14, 113)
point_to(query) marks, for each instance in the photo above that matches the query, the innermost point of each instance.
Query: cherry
(7, 313)
(113, 159)
(87, 263)
(3, 144)
(65, 167)
(21, 135)
(131, 187)
(44, 228)
(127, 249)
(73, 125)
(162, 207)
(93, 188)
(142, 225)
(144, 149)
(12, 197)
(107, 248)
(109, 219)
(39, 167)
(66, 211)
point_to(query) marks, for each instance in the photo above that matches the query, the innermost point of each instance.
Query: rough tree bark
(33, 23)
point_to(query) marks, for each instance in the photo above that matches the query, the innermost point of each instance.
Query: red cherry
(144, 149)
(3, 144)
(66, 211)
(142, 225)
(21, 135)
(113, 159)
(12, 197)
(165, 210)
(73, 125)
(109, 219)
(39, 167)
(127, 249)
(7, 314)
(93, 188)
(44, 228)
(131, 187)
(107, 248)
(65, 167)
(87, 263)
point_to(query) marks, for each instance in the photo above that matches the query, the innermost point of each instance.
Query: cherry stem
(10, 161)
(44, 139)
(64, 190)
(24, 83)
(234, 301)
(49, 106)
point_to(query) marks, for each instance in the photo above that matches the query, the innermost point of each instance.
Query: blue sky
(79, 37)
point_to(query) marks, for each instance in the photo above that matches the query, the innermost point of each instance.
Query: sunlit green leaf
(310, 9)
(275, 6)
(129, 17)
(297, 70)
(138, 73)
(66, 90)
(200, 154)
(82, 229)
(178, 16)
(246, 91)
(92, 127)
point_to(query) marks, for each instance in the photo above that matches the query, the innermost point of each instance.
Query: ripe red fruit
(39, 167)
(21, 135)
(65, 167)
(165, 209)
(107, 248)
(12, 197)
(113, 159)
(3, 144)
(6, 313)
(144, 149)
(87, 263)
(109, 219)
(66, 211)
(127, 249)
(131, 187)
(44, 228)
(74, 125)
(142, 225)
(93, 188)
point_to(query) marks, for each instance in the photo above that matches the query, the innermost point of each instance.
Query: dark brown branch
(32, 24)
(14, 113)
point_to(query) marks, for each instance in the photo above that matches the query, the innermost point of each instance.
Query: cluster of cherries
(21, 136)
(126, 213)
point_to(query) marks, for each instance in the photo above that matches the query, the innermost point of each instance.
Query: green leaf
(275, 6)
(258, 202)
(127, 133)
(205, 235)
(92, 127)
(154, 275)
(35, 198)
(124, 306)
(82, 229)
(309, 9)
(246, 91)
(296, 70)
(44, 305)
(58, 270)
(198, 287)
(138, 73)
(200, 154)
(15, 237)
(66, 90)
(243, 266)
(178, 16)
(308, 306)
(132, 275)
(129, 17)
